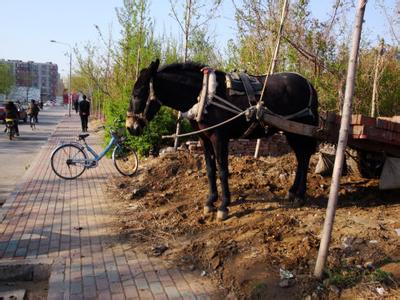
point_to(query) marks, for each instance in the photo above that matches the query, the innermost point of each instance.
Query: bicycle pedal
(91, 164)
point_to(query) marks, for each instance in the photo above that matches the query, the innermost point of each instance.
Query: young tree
(311, 47)
(193, 21)
(7, 80)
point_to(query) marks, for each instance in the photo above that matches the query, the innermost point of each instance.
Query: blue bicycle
(70, 160)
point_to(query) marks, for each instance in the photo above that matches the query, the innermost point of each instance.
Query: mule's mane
(176, 67)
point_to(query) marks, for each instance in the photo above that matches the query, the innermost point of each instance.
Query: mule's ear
(154, 66)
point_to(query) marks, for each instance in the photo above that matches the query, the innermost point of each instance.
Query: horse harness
(152, 97)
(238, 84)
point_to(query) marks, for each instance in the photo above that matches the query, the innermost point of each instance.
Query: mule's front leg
(221, 151)
(211, 174)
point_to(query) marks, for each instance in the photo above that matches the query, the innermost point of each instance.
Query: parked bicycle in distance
(70, 160)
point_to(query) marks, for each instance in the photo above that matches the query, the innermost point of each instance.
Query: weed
(344, 277)
(382, 277)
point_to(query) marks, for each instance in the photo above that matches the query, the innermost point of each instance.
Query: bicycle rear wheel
(68, 161)
(125, 160)
(11, 131)
(32, 122)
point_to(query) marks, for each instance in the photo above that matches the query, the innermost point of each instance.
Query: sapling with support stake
(273, 64)
(342, 142)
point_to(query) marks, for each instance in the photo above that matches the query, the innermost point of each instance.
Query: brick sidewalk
(69, 221)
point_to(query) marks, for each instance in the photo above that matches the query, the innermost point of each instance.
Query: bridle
(142, 116)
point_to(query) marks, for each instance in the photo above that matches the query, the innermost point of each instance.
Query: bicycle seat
(83, 136)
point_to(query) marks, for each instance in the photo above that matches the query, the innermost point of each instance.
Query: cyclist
(33, 111)
(12, 113)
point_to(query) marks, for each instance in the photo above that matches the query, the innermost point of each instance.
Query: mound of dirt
(263, 251)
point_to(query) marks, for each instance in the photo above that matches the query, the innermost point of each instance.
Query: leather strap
(248, 88)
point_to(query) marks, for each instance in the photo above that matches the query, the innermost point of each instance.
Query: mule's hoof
(290, 196)
(298, 202)
(222, 215)
(286, 203)
(208, 209)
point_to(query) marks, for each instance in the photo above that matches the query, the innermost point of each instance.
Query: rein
(208, 128)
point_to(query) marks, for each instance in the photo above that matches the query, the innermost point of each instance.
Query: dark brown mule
(178, 86)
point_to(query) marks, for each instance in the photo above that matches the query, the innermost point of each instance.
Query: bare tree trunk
(273, 64)
(376, 79)
(140, 44)
(342, 142)
(188, 9)
(341, 92)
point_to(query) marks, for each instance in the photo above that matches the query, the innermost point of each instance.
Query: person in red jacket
(84, 112)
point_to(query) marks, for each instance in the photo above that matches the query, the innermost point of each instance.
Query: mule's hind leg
(303, 148)
(211, 174)
(221, 152)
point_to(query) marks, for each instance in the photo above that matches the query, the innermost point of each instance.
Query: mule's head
(144, 103)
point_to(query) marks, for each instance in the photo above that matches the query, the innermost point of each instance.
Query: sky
(27, 26)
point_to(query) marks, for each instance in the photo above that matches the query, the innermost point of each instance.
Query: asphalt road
(17, 155)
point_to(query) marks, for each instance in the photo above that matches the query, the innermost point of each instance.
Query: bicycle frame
(98, 157)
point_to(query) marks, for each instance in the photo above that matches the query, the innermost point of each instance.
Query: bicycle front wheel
(68, 161)
(32, 122)
(11, 132)
(125, 160)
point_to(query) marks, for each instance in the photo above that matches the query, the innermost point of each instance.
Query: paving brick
(141, 283)
(104, 295)
(131, 291)
(76, 297)
(76, 287)
(145, 295)
(172, 292)
(151, 276)
(116, 288)
(120, 296)
(156, 288)
(89, 281)
(102, 284)
(89, 292)
(54, 296)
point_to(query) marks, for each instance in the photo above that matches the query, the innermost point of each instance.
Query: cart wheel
(365, 164)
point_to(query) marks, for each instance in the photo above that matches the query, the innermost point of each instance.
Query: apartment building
(43, 76)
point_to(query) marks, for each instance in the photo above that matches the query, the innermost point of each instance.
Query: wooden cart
(373, 138)
(366, 133)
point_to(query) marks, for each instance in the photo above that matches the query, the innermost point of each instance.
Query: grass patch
(345, 276)
(382, 277)
(385, 261)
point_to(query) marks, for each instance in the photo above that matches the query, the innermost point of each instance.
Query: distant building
(24, 94)
(43, 76)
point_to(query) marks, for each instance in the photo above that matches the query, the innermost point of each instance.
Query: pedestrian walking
(33, 111)
(65, 98)
(84, 112)
(75, 101)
